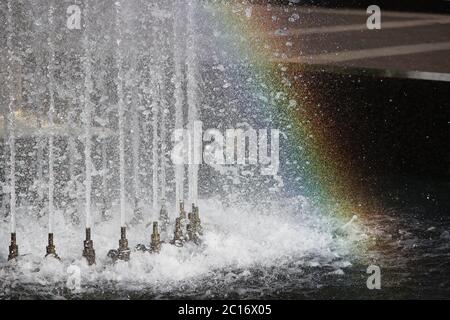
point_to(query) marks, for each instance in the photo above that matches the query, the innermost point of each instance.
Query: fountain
(123, 253)
(13, 248)
(102, 135)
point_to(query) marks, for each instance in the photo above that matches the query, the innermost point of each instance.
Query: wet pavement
(407, 41)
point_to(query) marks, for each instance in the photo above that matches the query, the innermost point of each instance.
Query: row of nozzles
(192, 226)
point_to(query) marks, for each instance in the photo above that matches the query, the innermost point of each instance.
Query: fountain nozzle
(155, 244)
(178, 238)
(51, 249)
(123, 253)
(88, 251)
(13, 248)
(194, 228)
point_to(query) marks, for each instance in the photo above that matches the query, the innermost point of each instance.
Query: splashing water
(238, 244)
(119, 109)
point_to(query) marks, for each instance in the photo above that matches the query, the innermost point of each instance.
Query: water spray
(13, 248)
(88, 251)
(192, 100)
(164, 217)
(179, 40)
(123, 253)
(182, 212)
(51, 183)
(137, 212)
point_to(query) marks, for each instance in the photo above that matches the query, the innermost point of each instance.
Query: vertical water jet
(155, 158)
(88, 251)
(13, 249)
(164, 216)
(178, 40)
(51, 113)
(123, 253)
(135, 146)
(192, 100)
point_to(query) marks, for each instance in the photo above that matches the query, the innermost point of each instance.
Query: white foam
(235, 239)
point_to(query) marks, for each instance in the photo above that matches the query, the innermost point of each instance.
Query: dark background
(395, 133)
(404, 5)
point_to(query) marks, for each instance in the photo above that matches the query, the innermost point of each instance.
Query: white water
(51, 111)
(120, 95)
(155, 158)
(11, 126)
(135, 143)
(192, 99)
(178, 97)
(88, 86)
(235, 241)
(162, 137)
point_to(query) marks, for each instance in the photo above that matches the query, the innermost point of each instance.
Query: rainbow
(317, 166)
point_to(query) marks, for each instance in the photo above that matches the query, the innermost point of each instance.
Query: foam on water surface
(237, 242)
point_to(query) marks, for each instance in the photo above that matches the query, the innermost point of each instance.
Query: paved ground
(413, 43)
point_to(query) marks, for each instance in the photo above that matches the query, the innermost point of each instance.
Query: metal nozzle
(124, 251)
(178, 233)
(13, 248)
(88, 251)
(51, 249)
(155, 244)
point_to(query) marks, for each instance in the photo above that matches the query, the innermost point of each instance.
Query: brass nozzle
(123, 242)
(51, 249)
(178, 233)
(155, 244)
(88, 251)
(124, 251)
(13, 248)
